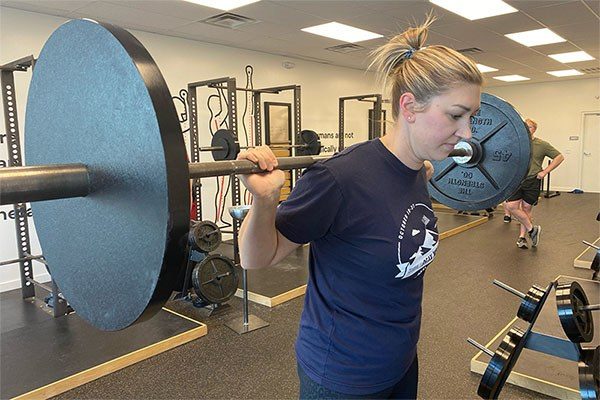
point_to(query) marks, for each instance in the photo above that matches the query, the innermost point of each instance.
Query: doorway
(590, 164)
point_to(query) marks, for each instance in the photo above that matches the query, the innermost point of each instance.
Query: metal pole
(48, 182)
(481, 347)
(591, 307)
(18, 260)
(273, 146)
(245, 291)
(509, 289)
(61, 181)
(237, 167)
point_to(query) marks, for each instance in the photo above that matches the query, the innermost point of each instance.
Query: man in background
(520, 204)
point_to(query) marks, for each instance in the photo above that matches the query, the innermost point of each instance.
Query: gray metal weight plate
(501, 135)
(205, 236)
(98, 98)
(215, 279)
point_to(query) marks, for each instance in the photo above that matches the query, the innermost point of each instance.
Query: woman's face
(444, 122)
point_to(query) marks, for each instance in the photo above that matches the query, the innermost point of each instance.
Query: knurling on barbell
(103, 139)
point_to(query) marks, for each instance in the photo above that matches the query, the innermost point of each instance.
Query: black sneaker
(534, 235)
(507, 218)
(522, 243)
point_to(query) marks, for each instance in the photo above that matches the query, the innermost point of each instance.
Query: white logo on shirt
(422, 254)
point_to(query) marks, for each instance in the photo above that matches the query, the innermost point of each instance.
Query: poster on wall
(278, 123)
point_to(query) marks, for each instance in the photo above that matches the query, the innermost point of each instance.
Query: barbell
(104, 143)
(225, 146)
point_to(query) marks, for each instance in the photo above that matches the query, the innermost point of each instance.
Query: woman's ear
(407, 104)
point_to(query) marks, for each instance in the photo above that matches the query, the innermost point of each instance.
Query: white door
(590, 171)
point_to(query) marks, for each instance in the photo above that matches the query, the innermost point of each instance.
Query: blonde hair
(532, 122)
(425, 72)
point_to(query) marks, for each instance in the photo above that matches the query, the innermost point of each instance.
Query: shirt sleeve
(550, 151)
(310, 211)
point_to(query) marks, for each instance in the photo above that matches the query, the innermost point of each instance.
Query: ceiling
(277, 30)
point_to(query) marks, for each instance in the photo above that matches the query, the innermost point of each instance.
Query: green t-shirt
(540, 149)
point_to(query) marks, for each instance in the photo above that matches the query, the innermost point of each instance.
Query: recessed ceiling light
(536, 37)
(511, 78)
(475, 9)
(224, 5)
(565, 72)
(345, 33)
(484, 68)
(573, 56)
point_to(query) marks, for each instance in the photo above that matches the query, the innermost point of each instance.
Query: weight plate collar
(98, 98)
(505, 144)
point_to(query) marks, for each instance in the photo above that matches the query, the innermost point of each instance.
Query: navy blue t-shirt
(372, 233)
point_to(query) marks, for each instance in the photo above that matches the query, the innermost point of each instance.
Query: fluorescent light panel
(565, 72)
(536, 37)
(511, 78)
(484, 68)
(475, 9)
(224, 5)
(345, 33)
(573, 56)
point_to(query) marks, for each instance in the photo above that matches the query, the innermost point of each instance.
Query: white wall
(557, 107)
(182, 61)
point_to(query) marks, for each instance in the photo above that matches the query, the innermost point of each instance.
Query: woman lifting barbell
(367, 214)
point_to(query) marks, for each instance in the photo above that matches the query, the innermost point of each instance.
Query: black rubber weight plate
(504, 163)
(98, 98)
(215, 279)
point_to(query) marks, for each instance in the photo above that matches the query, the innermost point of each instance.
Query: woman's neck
(398, 143)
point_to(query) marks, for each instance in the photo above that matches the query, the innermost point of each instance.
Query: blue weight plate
(506, 150)
(98, 98)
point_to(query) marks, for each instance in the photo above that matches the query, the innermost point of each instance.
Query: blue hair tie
(409, 53)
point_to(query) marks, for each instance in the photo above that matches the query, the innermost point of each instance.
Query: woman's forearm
(258, 235)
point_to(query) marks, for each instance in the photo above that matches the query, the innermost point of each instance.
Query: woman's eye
(457, 117)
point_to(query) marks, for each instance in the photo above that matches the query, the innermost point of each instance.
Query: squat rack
(229, 85)
(11, 124)
(374, 120)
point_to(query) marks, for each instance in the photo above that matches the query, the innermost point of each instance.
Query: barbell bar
(113, 162)
(50, 182)
(273, 146)
(225, 146)
(18, 260)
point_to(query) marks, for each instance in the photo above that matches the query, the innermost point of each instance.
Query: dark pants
(406, 388)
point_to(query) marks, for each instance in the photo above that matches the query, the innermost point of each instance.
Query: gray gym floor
(459, 302)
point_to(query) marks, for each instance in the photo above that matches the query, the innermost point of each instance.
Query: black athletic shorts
(528, 191)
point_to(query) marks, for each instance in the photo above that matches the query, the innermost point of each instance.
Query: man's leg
(527, 209)
(514, 207)
(530, 198)
(507, 217)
